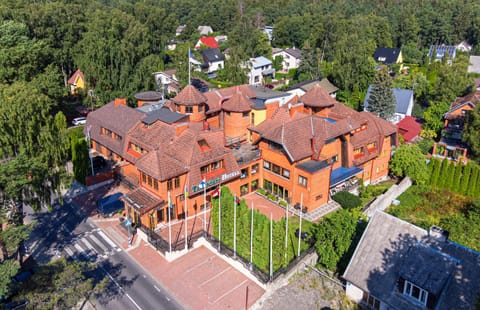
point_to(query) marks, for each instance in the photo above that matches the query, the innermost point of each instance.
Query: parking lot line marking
(244, 281)
(215, 276)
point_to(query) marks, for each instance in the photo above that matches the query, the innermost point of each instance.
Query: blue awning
(342, 174)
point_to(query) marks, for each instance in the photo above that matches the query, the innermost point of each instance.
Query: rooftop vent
(438, 233)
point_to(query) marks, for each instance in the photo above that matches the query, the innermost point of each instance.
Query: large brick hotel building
(237, 137)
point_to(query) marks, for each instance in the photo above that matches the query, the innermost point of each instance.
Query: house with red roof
(302, 151)
(208, 42)
(409, 128)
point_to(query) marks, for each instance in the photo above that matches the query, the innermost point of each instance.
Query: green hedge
(347, 200)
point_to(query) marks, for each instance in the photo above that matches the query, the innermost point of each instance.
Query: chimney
(120, 101)
(271, 107)
(438, 233)
(180, 128)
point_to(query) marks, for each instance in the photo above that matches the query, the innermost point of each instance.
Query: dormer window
(203, 144)
(415, 292)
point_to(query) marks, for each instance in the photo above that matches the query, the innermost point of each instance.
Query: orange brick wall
(235, 125)
(214, 121)
(380, 164)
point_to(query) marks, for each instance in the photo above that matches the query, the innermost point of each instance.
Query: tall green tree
(408, 160)
(471, 131)
(457, 176)
(381, 101)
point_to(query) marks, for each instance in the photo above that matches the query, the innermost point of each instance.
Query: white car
(79, 121)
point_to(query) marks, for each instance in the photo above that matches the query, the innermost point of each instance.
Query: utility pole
(89, 147)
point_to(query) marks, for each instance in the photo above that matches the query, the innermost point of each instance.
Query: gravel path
(307, 291)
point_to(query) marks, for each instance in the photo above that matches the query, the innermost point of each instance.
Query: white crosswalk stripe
(94, 244)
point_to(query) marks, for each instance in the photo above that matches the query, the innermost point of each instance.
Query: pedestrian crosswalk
(92, 245)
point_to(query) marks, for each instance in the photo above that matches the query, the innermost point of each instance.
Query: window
(116, 137)
(169, 185)
(358, 152)
(244, 173)
(144, 178)
(211, 167)
(318, 197)
(266, 165)
(200, 108)
(302, 180)
(245, 114)
(188, 110)
(371, 146)
(371, 301)
(415, 292)
(252, 119)
(150, 181)
(254, 169)
(286, 173)
(228, 114)
(276, 169)
(177, 182)
(335, 158)
(155, 185)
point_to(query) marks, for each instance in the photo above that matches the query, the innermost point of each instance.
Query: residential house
(409, 128)
(474, 66)
(450, 144)
(403, 103)
(206, 42)
(205, 30)
(167, 82)
(179, 30)
(259, 69)
(442, 51)
(291, 58)
(268, 30)
(464, 47)
(388, 56)
(398, 265)
(301, 88)
(76, 82)
(242, 137)
(213, 60)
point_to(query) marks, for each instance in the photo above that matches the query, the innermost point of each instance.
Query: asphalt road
(67, 231)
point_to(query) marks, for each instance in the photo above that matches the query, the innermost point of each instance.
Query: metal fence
(163, 247)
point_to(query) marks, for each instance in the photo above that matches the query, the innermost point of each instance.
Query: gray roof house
(213, 60)
(388, 56)
(404, 103)
(398, 265)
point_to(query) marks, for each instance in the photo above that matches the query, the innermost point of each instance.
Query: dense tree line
(456, 177)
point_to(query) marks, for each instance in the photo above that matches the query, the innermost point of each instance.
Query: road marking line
(215, 276)
(88, 244)
(69, 252)
(79, 248)
(108, 240)
(119, 250)
(121, 288)
(230, 291)
(97, 242)
(157, 288)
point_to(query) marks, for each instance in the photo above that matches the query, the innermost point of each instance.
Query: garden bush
(347, 200)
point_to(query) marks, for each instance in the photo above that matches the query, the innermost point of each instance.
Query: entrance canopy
(142, 200)
(342, 174)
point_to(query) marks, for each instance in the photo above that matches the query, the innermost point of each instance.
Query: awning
(142, 200)
(342, 174)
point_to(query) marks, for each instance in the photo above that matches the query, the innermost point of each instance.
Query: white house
(167, 82)
(213, 60)
(205, 30)
(464, 47)
(259, 68)
(291, 58)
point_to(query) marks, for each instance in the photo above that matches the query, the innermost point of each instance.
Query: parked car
(79, 121)
(98, 162)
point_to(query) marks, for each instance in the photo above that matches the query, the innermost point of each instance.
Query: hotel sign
(208, 183)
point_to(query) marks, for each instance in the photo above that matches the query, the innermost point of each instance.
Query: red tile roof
(73, 79)
(142, 200)
(317, 97)
(210, 42)
(189, 96)
(409, 128)
(237, 103)
(470, 99)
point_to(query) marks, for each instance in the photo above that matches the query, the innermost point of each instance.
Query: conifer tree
(382, 101)
(435, 169)
(457, 177)
(443, 173)
(465, 179)
(472, 183)
(449, 175)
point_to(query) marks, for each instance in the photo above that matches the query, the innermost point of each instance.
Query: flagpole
(204, 208)
(219, 217)
(271, 248)
(251, 240)
(235, 226)
(169, 223)
(286, 231)
(189, 52)
(300, 227)
(185, 195)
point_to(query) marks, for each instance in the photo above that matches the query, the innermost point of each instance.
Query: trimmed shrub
(347, 200)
